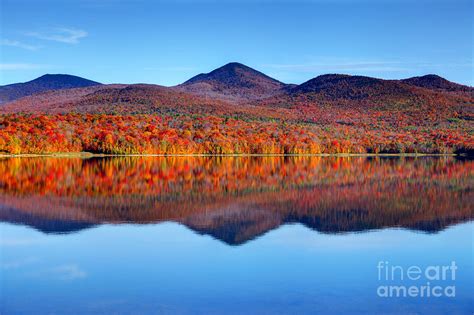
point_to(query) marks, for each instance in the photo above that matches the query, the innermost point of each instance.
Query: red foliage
(186, 134)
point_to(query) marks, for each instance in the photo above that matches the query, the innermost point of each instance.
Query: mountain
(112, 98)
(352, 87)
(233, 81)
(435, 82)
(349, 92)
(44, 83)
(237, 219)
(258, 96)
(132, 99)
(251, 113)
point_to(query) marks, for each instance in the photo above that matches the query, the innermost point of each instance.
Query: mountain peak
(231, 72)
(343, 83)
(357, 89)
(63, 79)
(235, 64)
(55, 75)
(43, 83)
(233, 81)
(431, 77)
(435, 82)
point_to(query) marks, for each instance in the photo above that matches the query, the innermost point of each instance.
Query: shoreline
(93, 155)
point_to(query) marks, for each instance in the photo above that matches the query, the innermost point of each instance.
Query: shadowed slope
(44, 83)
(435, 82)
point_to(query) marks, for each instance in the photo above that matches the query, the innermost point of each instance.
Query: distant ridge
(351, 87)
(44, 83)
(233, 81)
(435, 82)
(250, 112)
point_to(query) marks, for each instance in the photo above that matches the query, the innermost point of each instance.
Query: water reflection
(236, 199)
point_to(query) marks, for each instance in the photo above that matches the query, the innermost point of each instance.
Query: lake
(236, 235)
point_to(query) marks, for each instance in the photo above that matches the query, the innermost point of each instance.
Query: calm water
(233, 235)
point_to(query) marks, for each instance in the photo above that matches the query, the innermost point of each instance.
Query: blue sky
(167, 42)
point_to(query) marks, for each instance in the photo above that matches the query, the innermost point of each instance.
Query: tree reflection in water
(236, 199)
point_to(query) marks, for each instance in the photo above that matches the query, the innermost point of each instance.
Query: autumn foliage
(208, 134)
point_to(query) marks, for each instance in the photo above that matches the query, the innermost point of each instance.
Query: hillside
(335, 97)
(44, 83)
(233, 81)
(340, 86)
(353, 91)
(245, 112)
(134, 99)
(435, 82)
(116, 98)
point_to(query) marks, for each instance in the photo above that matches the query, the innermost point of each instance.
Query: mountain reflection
(235, 199)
